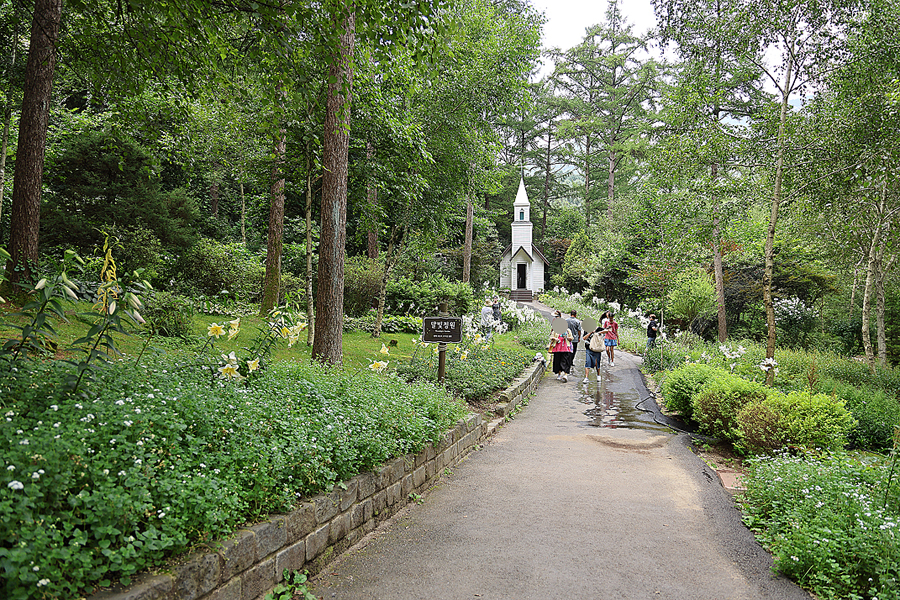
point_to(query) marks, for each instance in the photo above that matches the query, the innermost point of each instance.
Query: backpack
(596, 344)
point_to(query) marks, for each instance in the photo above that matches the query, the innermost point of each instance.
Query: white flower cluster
(769, 364)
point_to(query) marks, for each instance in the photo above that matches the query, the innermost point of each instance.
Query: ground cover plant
(157, 458)
(831, 521)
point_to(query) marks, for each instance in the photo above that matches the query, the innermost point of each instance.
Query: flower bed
(149, 462)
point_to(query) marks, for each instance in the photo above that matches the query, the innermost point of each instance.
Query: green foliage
(681, 384)
(693, 296)
(831, 522)
(169, 315)
(389, 323)
(294, 586)
(102, 179)
(362, 284)
(663, 357)
(216, 269)
(717, 404)
(534, 334)
(876, 413)
(421, 297)
(798, 419)
(155, 460)
(473, 371)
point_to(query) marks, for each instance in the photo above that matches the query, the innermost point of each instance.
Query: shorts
(610, 343)
(592, 359)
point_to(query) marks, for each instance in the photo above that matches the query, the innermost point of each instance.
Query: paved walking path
(579, 496)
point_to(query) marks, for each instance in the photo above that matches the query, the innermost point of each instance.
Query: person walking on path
(487, 318)
(652, 330)
(495, 308)
(575, 329)
(559, 347)
(592, 358)
(611, 338)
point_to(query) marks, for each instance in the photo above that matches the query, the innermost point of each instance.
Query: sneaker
(612, 364)
(585, 380)
(565, 378)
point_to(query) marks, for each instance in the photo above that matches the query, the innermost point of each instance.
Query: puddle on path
(611, 401)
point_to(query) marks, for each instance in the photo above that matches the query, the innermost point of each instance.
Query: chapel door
(520, 276)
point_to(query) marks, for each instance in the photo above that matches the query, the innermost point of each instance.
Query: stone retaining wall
(250, 563)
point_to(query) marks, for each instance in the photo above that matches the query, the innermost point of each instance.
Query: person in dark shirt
(652, 330)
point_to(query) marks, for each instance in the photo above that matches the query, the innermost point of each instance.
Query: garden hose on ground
(672, 423)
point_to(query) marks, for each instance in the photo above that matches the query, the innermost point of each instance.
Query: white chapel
(522, 263)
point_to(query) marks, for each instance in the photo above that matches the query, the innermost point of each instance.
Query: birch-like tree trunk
(467, 250)
(769, 273)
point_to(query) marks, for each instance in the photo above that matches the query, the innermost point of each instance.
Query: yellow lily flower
(215, 330)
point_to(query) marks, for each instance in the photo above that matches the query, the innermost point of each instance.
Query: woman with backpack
(593, 352)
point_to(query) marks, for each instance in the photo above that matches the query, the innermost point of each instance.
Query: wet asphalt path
(580, 496)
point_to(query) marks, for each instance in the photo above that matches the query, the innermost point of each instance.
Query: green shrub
(169, 315)
(759, 429)
(682, 383)
(421, 297)
(389, 324)
(876, 413)
(362, 284)
(717, 404)
(799, 419)
(212, 268)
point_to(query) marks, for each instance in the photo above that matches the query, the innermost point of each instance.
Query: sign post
(442, 329)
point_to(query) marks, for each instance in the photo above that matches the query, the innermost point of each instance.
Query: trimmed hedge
(682, 383)
(718, 403)
(798, 419)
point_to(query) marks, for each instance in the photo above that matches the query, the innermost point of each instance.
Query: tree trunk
(243, 216)
(610, 186)
(272, 288)
(330, 292)
(382, 290)
(867, 299)
(310, 307)
(880, 336)
(546, 203)
(467, 251)
(26, 197)
(372, 199)
(214, 197)
(7, 116)
(853, 289)
(769, 273)
(868, 288)
(719, 275)
(587, 183)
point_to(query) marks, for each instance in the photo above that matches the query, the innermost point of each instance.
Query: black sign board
(442, 329)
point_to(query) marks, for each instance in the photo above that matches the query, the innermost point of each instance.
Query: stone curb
(250, 563)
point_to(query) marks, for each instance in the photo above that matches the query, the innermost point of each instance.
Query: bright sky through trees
(567, 19)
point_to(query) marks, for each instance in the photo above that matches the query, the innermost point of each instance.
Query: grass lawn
(359, 348)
